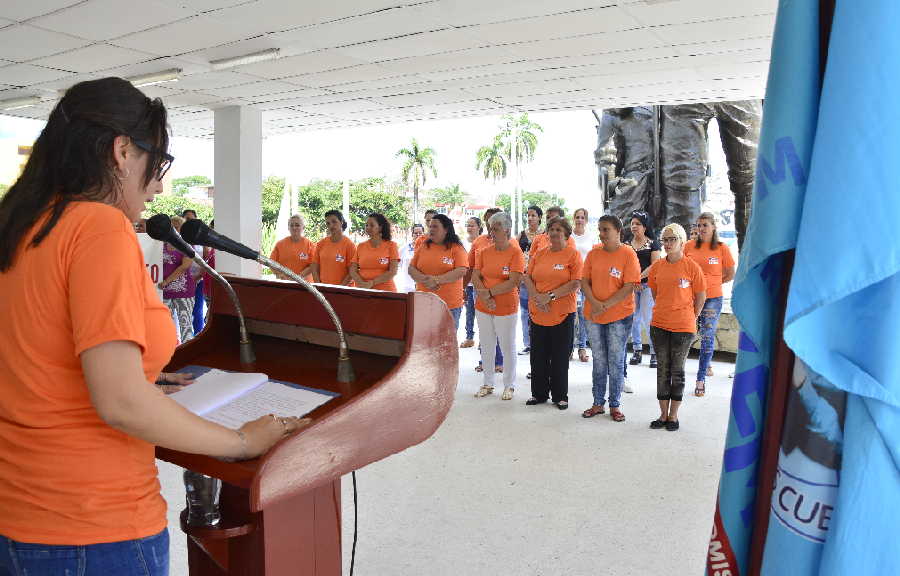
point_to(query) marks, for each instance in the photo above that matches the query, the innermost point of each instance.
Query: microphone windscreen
(194, 232)
(159, 227)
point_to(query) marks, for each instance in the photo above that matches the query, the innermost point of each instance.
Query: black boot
(653, 360)
(635, 358)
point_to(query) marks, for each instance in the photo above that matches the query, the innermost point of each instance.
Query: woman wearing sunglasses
(84, 338)
(679, 291)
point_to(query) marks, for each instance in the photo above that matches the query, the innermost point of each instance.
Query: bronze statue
(633, 142)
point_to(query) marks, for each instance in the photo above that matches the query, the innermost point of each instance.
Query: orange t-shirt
(608, 272)
(675, 286)
(495, 267)
(420, 240)
(334, 259)
(549, 270)
(295, 255)
(713, 263)
(374, 261)
(542, 241)
(66, 477)
(434, 260)
(478, 244)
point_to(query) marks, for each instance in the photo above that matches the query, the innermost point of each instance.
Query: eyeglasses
(165, 159)
(669, 238)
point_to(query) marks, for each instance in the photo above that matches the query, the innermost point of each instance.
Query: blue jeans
(524, 317)
(470, 312)
(643, 313)
(581, 324)
(198, 307)
(608, 348)
(709, 321)
(142, 557)
(456, 313)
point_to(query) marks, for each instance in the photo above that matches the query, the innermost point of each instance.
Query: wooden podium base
(299, 537)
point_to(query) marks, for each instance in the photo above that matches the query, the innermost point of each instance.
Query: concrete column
(238, 181)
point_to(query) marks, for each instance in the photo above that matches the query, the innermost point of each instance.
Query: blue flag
(785, 148)
(844, 300)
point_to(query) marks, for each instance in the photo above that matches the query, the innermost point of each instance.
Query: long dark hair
(383, 224)
(714, 241)
(72, 158)
(451, 237)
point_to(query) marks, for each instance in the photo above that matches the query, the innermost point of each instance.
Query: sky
(564, 160)
(563, 164)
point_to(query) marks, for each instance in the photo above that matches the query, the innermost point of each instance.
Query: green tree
(540, 198)
(272, 191)
(180, 186)
(417, 162)
(515, 144)
(449, 196)
(366, 196)
(174, 205)
(490, 160)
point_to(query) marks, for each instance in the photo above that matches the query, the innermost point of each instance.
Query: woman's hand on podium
(261, 434)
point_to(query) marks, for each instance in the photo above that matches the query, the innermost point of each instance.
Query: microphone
(196, 232)
(160, 228)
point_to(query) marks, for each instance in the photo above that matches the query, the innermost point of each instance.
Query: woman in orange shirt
(611, 272)
(295, 252)
(498, 270)
(717, 263)
(376, 260)
(334, 252)
(84, 338)
(440, 263)
(679, 290)
(553, 276)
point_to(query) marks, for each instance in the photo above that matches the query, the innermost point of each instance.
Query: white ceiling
(357, 62)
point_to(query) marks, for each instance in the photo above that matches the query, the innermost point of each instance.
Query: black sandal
(658, 424)
(535, 401)
(672, 425)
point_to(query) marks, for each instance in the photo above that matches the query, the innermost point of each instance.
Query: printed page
(269, 398)
(216, 388)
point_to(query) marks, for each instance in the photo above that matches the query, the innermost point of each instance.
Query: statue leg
(683, 160)
(739, 124)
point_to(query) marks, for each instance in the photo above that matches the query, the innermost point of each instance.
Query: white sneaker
(484, 391)
(507, 393)
(627, 387)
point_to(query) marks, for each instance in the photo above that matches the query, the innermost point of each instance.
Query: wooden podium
(281, 513)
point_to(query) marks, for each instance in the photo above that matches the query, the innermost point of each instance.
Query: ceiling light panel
(106, 19)
(22, 42)
(93, 58)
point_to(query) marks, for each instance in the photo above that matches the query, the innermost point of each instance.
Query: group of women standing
(569, 292)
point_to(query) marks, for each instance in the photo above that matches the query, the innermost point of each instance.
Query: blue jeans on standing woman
(643, 313)
(581, 324)
(608, 348)
(709, 321)
(470, 312)
(524, 317)
(141, 557)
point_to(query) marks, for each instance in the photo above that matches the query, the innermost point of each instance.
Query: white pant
(490, 330)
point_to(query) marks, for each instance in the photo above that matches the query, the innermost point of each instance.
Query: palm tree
(491, 161)
(417, 163)
(519, 137)
(515, 144)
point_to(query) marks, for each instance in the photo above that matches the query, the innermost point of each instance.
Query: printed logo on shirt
(506, 270)
(447, 260)
(684, 283)
(304, 256)
(559, 266)
(713, 260)
(383, 260)
(339, 258)
(615, 272)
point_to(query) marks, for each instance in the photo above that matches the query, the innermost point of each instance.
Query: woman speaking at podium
(84, 339)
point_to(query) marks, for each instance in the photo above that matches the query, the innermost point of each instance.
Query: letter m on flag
(785, 157)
